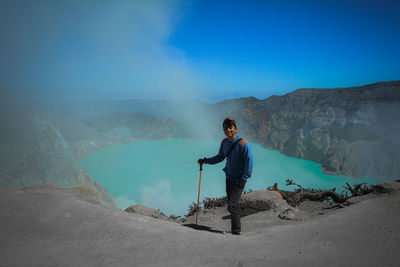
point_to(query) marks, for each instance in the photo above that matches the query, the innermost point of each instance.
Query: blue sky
(180, 50)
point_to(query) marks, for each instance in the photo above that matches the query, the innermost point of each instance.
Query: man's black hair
(228, 123)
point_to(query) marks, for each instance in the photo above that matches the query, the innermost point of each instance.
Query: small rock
(287, 215)
(143, 210)
(147, 211)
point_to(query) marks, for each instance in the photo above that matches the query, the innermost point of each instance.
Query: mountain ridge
(319, 124)
(349, 130)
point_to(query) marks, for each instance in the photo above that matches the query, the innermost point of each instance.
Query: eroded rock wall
(352, 131)
(33, 151)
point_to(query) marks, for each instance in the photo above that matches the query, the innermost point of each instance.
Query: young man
(239, 165)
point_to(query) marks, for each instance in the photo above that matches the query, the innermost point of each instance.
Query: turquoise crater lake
(164, 174)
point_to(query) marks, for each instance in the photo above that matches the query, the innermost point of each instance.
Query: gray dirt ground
(52, 228)
(218, 220)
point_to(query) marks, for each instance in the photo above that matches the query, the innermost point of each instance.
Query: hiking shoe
(230, 232)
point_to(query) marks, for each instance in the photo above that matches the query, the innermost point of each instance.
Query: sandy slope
(48, 227)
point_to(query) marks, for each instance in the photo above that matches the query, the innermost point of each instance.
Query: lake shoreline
(166, 179)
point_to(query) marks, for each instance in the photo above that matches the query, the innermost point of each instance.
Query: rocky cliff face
(352, 131)
(125, 128)
(33, 151)
(81, 138)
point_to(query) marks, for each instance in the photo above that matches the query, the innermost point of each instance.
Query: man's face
(230, 131)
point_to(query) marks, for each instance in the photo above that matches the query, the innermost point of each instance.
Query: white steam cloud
(124, 201)
(94, 49)
(159, 196)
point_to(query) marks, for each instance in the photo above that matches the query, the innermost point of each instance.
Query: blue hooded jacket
(239, 163)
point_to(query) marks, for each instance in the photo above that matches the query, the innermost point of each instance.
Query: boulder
(388, 187)
(262, 200)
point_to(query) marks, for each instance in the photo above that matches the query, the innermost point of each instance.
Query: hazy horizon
(59, 100)
(184, 50)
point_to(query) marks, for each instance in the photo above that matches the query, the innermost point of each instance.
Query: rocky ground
(218, 219)
(47, 226)
(253, 222)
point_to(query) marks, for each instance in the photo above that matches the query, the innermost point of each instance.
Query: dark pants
(233, 193)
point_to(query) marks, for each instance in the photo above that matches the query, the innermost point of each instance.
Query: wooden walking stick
(198, 194)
